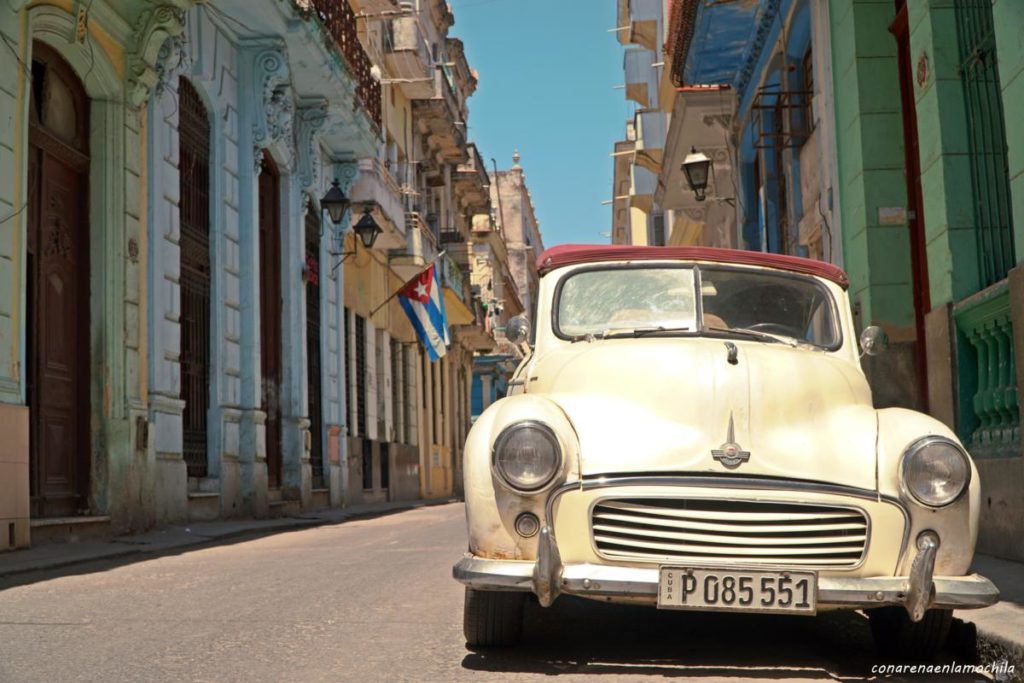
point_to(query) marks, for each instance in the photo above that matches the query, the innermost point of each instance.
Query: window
(604, 301)
(360, 344)
(787, 306)
(807, 72)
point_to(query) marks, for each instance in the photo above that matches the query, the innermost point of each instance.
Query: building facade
(880, 136)
(165, 260)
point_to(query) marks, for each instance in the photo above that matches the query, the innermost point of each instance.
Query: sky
(548, 71)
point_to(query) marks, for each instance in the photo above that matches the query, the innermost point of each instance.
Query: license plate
(724, 590)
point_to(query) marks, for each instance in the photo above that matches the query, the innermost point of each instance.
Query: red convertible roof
(571, 254)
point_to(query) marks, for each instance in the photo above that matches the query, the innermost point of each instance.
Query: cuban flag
(423, 301)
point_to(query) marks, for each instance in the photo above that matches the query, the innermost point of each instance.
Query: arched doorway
(270, 312)
(58, 288)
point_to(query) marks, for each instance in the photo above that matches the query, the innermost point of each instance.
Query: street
(373, 600)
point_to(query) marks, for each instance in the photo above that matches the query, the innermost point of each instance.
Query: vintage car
(692, 429)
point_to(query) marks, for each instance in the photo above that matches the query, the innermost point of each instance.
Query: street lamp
(696, 166)
(367, 228)
(335, 202)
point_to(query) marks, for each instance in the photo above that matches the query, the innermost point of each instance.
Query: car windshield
(742, 303)
(605, 301)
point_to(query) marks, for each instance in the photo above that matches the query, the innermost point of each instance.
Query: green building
(929, 96)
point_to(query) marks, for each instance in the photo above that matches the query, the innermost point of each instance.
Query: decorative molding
(722, 120)
(172, 60)
(696, 215)
(274, 108)
(153, 29)
(311, 117)
(760, 37)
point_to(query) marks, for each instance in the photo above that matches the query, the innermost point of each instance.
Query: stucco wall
(869, 137)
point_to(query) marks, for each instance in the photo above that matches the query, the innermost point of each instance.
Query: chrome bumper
(548, 577)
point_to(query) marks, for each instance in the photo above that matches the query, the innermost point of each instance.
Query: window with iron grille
(986, 136)
(360, 398)
(367, 464)
(807, 74)
(409, 395)
(347, 352)
(313, 379)
(194, 210)
(397, 421)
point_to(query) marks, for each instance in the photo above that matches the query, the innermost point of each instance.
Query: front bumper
(548, 577)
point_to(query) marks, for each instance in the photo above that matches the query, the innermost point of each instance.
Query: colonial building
(636, 216)
(186, 331)
(74, 264)
(880, 136)
(410, 416)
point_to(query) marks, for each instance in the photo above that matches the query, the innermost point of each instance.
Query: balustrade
(987, 370)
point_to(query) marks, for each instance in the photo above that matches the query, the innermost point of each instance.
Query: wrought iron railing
(339, 19)
(987, 372)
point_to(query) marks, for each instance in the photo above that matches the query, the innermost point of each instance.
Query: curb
(995, 648)
(133, 548)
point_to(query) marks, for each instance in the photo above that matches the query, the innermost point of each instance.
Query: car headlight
(935, 471)
(527, 456)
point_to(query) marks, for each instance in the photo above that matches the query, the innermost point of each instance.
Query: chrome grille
(716, 531)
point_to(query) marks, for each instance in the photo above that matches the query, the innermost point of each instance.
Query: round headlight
(527, 456)
(935, 471)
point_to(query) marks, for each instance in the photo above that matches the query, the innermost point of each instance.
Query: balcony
(444, 116)
(339, 20)
(375, 185)
(643, 183)
(374, 6)
(640, 21)
(472, 184)
(641, 76)
(651, 131)
(407, 56)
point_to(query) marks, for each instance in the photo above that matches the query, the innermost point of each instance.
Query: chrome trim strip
(591, 580)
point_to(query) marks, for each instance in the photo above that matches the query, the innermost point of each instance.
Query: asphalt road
(373, 600)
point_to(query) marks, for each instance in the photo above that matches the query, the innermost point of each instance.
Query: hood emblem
(730, 453)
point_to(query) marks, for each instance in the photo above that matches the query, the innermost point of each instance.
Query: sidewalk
(56, 555)
(1001, 626)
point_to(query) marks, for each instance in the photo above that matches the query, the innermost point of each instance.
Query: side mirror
(873, 340)
(517, 330)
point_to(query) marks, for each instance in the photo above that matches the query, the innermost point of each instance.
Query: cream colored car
(692, 430)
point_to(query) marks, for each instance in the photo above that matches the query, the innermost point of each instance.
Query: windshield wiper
(640, 331)
(754, 334)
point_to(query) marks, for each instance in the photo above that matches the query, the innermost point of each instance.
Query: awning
(458, 312)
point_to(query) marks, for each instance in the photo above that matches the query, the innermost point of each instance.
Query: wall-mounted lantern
(697, 167)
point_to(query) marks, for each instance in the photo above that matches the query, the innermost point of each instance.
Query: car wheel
(898, 637)
(493, 618)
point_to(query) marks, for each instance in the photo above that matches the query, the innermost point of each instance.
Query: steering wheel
(777, 328)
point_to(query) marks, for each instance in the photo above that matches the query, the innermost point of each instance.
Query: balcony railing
(340, 21)
(986, 369)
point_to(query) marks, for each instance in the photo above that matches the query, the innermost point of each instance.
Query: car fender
(957, 523)
(492, 507)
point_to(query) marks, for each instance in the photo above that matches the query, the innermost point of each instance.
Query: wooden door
(58, 289)
(270, 312)
(915, 202)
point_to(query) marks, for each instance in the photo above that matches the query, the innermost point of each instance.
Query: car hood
(660, 405)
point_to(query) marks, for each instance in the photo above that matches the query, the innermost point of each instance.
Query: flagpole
(395, 293)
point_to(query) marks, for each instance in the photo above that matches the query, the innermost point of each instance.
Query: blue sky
(547, 74)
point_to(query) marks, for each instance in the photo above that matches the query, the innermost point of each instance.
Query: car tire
(898, 637)
(493, 618)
